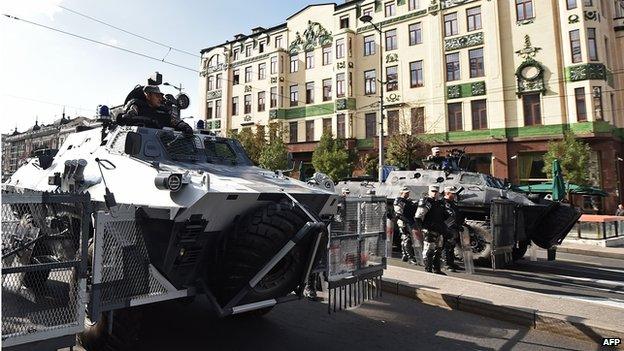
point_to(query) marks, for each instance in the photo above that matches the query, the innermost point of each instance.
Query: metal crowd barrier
(357, 251)
(44, 264)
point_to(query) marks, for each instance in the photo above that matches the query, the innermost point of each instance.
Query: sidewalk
(591, 250)
(578, 319)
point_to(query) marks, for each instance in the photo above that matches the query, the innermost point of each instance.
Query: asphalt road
(589, 278)
(393, 323)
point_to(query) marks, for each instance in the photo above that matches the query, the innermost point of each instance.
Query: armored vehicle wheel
(256, 239)
(520, 250)
(124, 336)
(480, 240)
(35, 280)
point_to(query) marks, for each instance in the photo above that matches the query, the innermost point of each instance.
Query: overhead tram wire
(127, 31)
(101, 43)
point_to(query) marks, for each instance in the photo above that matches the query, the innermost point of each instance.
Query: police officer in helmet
(454, 223)
(429, 219)
(149, 112)
(404, 211)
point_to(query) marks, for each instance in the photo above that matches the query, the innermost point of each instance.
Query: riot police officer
(404, 212)
(454, 221)
(429, 219)
(150, 113)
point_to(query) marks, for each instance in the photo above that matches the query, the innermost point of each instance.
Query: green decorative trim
(377, 5)
(314, 35)
(447, 4)
(250, 60)
(465, 90)
(400, 2)
(305, 111)
(208, 125)
(217, 124)
(399, 19)
(465, 41)
(365, 143)
(345, 104)
(589, 71)
(214, 94)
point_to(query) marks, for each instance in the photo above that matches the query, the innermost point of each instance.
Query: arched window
(215, 60)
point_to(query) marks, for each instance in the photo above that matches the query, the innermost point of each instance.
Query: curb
(587, 252)
(564, 325)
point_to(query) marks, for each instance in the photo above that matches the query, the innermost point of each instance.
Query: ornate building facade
(16, 147)
(499, 78)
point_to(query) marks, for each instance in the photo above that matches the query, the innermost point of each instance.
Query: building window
(370, 82)
(350, 83)
(340, 48)
(369, 45)
(479, 114)
(575, 46)
(367, 11)
(292, 132)
(455, 116)
(294, 63)
(218, 81)
(235, 106)
(210, 83)
(597, 99)
(327, 89)
(261, 101)
(393, 122)
(532, 109)
(310, 93)
(571, 4)
(309, 59)
(261, 47)
(415, 33)
(416, 74)
(344, 22)
(247, 102)
(391, 40)
(340, 85)
(340, 126)
(473, 16)
(294, 95)
(592, 46)
(452, 67)
(476, 63)
(390, 9)
(274, 65)
(278, 41)
(273, 97)
(327, 55)
(235, 55)
(450, 24)
(413, 4)
(236, 77)
(581, 107)
(261, 71)
(524, 10)
(209, 110)
(370, 125)
(248, 50)
(217, 108)
(309, 130)
(247, 74)
(392, 78)
(327, 125)
(417, 120)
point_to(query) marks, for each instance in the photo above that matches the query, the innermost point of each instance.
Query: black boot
(437, 258)
(429, 261)
(449, 258)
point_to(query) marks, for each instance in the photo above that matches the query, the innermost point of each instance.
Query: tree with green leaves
(573, 156)
(369, 163)
(331, 157)
(251, 142)
(406, 151)
(274, 154)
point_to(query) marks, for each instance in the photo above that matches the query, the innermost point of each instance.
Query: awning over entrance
(546, 188)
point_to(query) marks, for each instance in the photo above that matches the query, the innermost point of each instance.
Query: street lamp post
(369, 19)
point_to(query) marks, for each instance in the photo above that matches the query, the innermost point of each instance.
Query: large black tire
(124, 336)
(481, 253)
(256, 239)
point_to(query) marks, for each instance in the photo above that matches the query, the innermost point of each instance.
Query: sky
(42, 71)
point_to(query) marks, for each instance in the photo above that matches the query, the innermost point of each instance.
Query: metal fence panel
(44, 260)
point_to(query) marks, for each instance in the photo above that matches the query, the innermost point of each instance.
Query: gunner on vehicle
(149, 112)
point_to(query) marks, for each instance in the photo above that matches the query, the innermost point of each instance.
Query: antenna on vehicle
(109, 197)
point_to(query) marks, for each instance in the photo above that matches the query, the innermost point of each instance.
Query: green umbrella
(547, 188)
(558, 187)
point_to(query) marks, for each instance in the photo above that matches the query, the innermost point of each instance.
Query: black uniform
(430, 217)
(404, 210)
(139, 112)
(454, 221)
